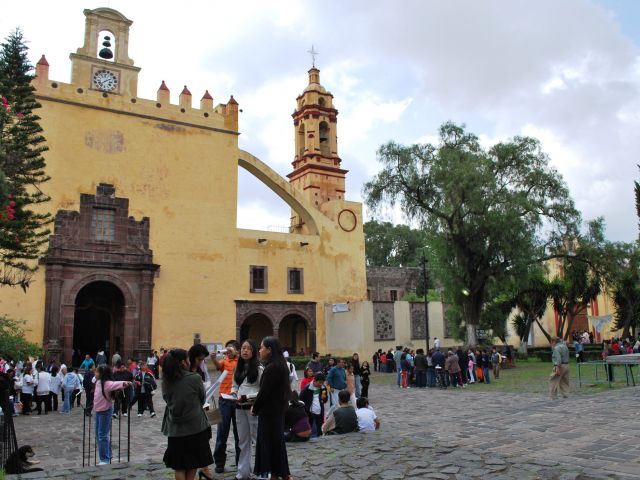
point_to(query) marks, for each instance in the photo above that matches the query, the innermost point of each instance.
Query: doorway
(98, 320)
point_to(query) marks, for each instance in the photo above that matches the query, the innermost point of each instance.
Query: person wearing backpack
(145, 386)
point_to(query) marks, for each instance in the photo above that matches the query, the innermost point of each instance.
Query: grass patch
(532, 376)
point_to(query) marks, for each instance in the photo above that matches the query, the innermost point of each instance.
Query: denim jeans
(66, 405)
(228, 411)
(431, 377)
(485, 374)
(399, 371)
(103, 434)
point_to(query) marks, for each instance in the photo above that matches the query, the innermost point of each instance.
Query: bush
(13, 343)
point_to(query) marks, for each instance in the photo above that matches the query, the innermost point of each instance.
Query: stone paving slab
(426, 434)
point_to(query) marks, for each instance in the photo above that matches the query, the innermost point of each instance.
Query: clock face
(105, 80)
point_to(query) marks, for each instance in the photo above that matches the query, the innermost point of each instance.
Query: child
(368, 421)
(471, 366)
(351, 384)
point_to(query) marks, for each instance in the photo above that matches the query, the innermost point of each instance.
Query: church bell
(106, 52)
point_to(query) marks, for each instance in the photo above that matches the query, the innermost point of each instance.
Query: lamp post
(426, 300)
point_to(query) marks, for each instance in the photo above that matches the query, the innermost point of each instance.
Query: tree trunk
(523, 347)
(472, 337)
(544, 332)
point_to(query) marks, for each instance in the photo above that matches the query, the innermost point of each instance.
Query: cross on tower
(313, 54)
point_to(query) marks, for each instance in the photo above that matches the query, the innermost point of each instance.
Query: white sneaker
(103, 463)
(153, 414)
(125, 414)
(139, 414)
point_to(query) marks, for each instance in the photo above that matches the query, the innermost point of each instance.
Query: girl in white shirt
(246, 384)
(28, 384)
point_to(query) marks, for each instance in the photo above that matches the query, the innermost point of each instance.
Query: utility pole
(426, 300)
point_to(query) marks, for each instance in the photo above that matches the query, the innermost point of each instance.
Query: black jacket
(438, 359)
(275, 390)
(306, 396)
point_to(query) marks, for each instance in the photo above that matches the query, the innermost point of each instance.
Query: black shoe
(202, 475)
(219, 470)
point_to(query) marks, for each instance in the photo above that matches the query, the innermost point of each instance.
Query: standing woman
(197, 355)
(365, 373)
(28, 385)
(246, 384)
(355, 361)
(184, 421)
(270, 405)
(103, 404)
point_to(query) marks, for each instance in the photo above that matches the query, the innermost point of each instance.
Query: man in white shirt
(42, 390)
(436, 343)
(368, 421)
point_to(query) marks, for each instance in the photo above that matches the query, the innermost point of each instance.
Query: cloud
(567, 72)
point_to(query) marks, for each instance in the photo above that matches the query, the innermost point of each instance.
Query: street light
(426, 300)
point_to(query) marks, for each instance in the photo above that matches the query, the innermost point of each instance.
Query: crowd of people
(453, 367)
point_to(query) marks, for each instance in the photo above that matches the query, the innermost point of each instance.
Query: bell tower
(103, 62)
(316, 166)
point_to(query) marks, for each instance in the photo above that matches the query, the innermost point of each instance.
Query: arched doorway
(256, 327)
(294, 334)
(98, 319)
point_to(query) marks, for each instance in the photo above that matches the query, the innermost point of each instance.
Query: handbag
(213, 413)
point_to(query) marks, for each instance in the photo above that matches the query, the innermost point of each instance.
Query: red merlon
(207, 95)
(185, 91)
(232, 101)
(163, 86)
(43, 61)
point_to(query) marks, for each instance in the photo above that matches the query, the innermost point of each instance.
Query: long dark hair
(171, 368)
(194, 352)
(277, 355)
(248, 370)
(105, 375)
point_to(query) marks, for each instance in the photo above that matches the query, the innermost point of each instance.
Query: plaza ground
(506, 430)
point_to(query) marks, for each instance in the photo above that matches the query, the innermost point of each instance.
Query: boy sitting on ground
(368, 421)
(343, 419)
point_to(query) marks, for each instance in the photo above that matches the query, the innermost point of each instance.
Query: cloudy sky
(566, 72)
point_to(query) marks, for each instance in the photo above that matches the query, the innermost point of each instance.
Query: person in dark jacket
(269, 406)
(145, 385)
(438, 363)
(365, 373)
(420, 362)
(185, 422)
(463, 362)
(314, 397)
(296, 421)
(88, 385)
(123, 397)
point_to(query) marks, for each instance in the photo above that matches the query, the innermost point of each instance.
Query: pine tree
(23, 228)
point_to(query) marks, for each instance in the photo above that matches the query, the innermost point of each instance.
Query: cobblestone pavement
(426, 434)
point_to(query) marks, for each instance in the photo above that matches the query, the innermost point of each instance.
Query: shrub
(13, 343)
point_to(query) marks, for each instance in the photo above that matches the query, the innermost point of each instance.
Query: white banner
(600, 321)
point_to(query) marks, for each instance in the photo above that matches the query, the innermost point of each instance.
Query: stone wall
(382, 281)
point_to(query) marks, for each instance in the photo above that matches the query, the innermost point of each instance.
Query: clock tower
(316, 166)
(103, 62)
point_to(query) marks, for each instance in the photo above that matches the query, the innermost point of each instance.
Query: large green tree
(389, 245)
(488, 213)
(23, 228)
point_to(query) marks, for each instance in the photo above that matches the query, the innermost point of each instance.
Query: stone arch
(104, 277)
(309, 215)
(249, 314)
(296, 331)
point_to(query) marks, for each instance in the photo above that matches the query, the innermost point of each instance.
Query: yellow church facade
(145, 251)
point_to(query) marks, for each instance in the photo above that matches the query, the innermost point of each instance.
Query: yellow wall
(181, 174)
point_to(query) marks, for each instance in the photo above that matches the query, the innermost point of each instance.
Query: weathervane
(313, 54)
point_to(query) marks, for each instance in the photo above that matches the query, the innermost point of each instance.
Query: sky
(566, 72)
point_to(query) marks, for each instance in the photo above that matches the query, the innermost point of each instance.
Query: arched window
(324, 138)
(106, 45)
(321, 101)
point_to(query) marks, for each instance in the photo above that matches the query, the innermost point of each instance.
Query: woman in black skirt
(270, 405)
(184, 421)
